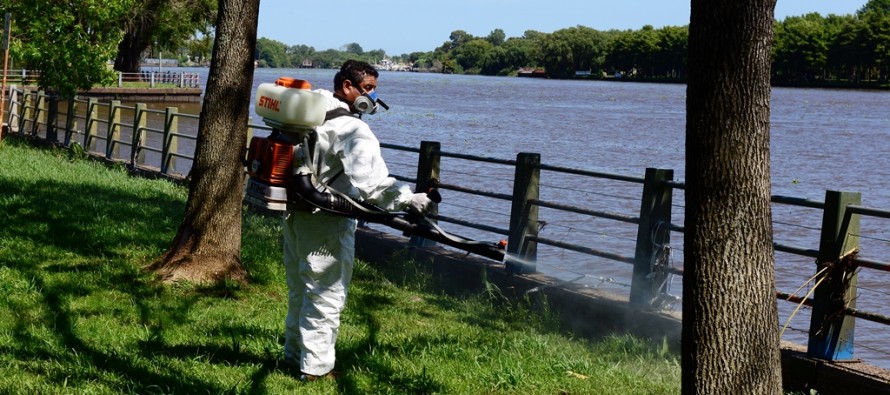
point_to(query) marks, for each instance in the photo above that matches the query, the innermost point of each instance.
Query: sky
(400, 27)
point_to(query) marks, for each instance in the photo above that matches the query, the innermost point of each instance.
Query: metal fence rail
(152, 79)
(833, 300)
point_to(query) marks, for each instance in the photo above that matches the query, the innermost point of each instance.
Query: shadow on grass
(70, 241)
(509, 309)
(358, 356)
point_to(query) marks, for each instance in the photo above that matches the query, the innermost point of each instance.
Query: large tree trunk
(140, 24)
(730, 319)
(129, 52)
(207, 246)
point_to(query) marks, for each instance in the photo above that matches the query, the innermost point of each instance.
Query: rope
(662, 261)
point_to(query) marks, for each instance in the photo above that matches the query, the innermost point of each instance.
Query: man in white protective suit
(319, 247)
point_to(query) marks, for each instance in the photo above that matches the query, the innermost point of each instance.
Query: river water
(820, 140)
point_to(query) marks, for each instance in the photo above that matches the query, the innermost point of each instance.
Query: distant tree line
(85, 35)
(850, 47)
(271, 53)
(807, 49)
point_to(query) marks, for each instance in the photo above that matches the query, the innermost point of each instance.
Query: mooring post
(653, 237)
(831, 331)
(428, 165)
(524, 214)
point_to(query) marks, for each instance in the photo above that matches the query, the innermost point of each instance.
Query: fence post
(70, 119)
(653, 238)
(171, 141)
(136, 154)
(26, 110)
(120, 79)
(52, 118)
(13, 108)
(39, 108)
(428, 165)
(831, 331)
(114, 129)
(524, 214)
(92, 127)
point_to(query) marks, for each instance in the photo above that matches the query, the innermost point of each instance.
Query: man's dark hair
(355, 71)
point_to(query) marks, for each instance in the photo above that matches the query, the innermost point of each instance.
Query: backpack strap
(336, 113)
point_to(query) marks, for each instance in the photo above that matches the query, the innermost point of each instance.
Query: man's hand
(420, 203)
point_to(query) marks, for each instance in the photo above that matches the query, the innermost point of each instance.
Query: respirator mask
(367, 102)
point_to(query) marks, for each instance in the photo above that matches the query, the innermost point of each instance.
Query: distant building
(164, 62)
(389, 65)
(531, 72)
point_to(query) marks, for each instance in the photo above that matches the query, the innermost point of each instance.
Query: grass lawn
(78, 315)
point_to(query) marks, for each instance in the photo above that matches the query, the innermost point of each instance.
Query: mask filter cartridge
(365, 103)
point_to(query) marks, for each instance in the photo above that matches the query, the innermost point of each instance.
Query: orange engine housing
(269, 160)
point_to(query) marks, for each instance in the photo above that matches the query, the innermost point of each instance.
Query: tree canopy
(74, 39)
(80, 37)
(170, 25)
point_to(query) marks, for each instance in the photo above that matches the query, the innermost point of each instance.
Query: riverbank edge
(148, 95)
(819, 84)
(144, 95)
(607, 313)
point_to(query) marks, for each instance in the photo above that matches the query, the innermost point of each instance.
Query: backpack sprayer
(280, 167)
(293, 111)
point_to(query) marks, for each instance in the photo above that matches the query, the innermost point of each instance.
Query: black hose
(413, 224)
(336, 204)
(488, 250)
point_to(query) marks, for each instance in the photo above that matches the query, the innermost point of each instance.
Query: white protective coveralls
(319, 248)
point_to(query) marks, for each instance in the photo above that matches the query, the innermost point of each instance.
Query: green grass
(78, 315)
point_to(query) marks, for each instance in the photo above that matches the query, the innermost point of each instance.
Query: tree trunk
(730, 318)
(129, 53)
(140, 24)
(207, 246)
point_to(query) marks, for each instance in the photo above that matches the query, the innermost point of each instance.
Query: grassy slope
(79, 316)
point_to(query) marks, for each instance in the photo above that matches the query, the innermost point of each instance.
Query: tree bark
(730, 318)
(206, 249)
(140, 24)
(129, 52)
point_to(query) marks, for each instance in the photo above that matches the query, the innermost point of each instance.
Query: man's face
(368, 85)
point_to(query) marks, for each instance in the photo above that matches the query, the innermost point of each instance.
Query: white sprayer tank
(290, 104)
